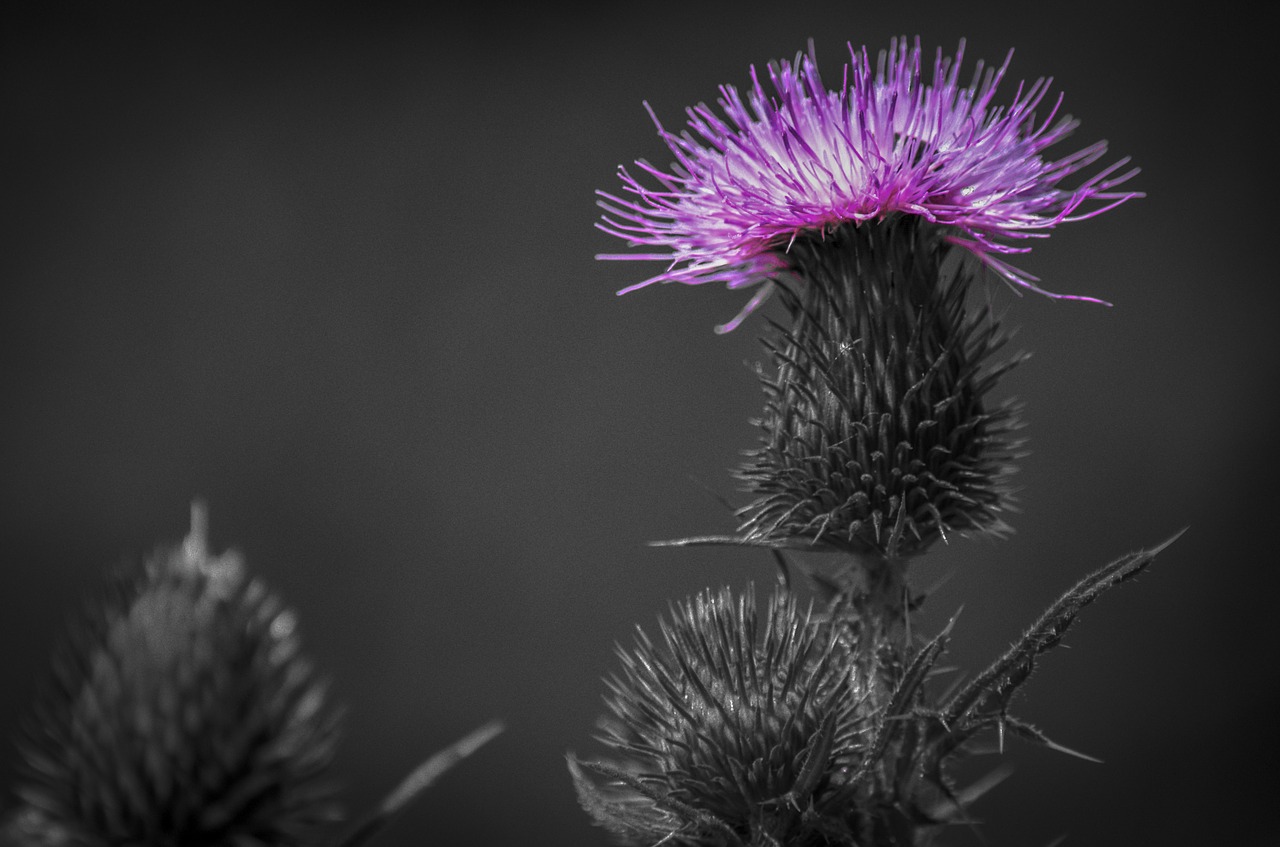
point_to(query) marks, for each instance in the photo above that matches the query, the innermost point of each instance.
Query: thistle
(181, 712)
(735, 729)
(870, 212)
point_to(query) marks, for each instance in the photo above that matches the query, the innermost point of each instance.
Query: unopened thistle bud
(182, 712)
(750, 729)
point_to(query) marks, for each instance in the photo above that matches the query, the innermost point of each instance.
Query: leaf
(683, 810)
(992, 689)
(419, 780)
(912, 679)
(793, 543)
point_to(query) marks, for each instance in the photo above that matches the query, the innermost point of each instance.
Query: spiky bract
(877, 436)
(805, 159)
(181, 714)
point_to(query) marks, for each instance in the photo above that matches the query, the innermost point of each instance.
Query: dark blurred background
(331, 269)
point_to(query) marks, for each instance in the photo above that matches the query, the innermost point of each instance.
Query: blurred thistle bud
(877, 437)
(180, 712)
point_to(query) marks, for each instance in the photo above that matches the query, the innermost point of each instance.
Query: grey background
(332, 271)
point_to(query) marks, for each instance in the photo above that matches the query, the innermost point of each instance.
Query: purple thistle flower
(743, 187)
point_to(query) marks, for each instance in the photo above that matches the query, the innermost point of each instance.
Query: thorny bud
(878, 436)
(742, 728)
(180, 713)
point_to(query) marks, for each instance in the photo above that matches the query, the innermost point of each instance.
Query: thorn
(955, 616)
(1159, 548)
(1053, 745)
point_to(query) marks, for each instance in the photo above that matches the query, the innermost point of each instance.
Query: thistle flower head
(805, 159)
(181, 713)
